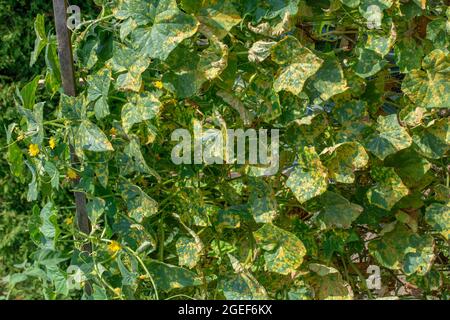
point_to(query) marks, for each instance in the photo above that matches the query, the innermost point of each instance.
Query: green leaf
(15, 160)
(32, 193)
(271, 9)
(351, 3)
(298, 63)
(390, 138)
(95, 209)
(131, 65)
(132, 160)
(410, 166)
(388, 190)
(262, 202)
(399, 248)
(129, 278)
(242, 285)
(430, 87)
(283, 252)
(49, 225)
(390, 250)
(28, 93)
(343, 159)
(337, 212)
(141, 107)
(369, 63)
(35, 125)
(98, 92)
(433, 140)
(408, 54)
(41, 38)
(170, 27)
(53, 172)
(89, 137)
(420, 256)
(168, 277)
(438, 217)
(438, 31)
(328, 283)
(310, 179)
(140, 11)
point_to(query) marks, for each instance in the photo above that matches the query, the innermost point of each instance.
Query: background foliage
(364, 179)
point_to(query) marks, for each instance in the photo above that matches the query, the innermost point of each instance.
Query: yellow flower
(118, 291)
(158, 84)
(33, 150)
(114, 247)
(52, 143)
(113, 132)
(71, 174)
(68, 221)
(142, 277)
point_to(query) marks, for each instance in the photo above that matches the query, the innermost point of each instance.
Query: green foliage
(364, 139)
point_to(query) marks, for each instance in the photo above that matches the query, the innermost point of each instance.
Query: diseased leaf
(130, 64)
(218, 16)
(430, 87)
(98, 92)
(262, 202)
(283, 252)
(170, 26)
(168, 277)
(188, 250)
(369, 63)
(328, 81)
(390, 138)
(388, 190)
(89, 137)
(260, 50)
(242, 285)
(433, 140)
(399, 248)
(438, 217)
(310, 179)
(343, 159)
(298, 63)
(139, 204)
(141, 107)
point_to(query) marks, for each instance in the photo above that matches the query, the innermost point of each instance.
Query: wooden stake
(68, 82)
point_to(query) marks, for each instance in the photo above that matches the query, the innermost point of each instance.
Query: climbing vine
(359, 91)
